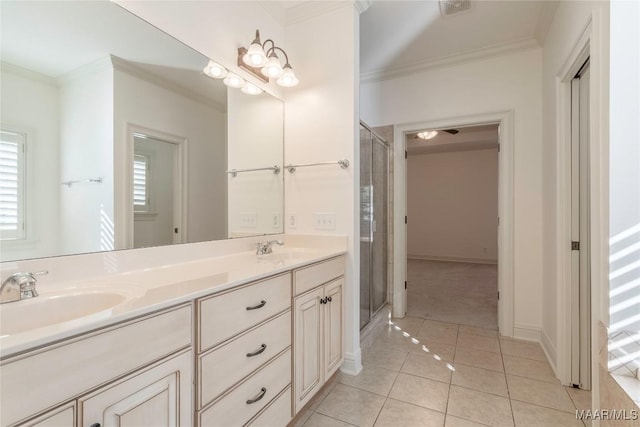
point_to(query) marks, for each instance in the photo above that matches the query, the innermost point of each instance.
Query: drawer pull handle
(263, 391)
(262, 348)
(95, 425)
(255, 307)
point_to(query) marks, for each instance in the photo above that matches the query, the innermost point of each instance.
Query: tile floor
(421, 372)
(456, 292)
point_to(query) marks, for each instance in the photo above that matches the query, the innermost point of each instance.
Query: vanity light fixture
(264, 62)
(428, 134)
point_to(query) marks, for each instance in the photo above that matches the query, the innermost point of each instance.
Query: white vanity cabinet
(244, 364)
(318, 327)
(34, 382)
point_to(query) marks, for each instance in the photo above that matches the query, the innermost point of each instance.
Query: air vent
(451, 7)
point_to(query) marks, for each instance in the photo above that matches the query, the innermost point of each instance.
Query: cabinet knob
(329, 299)
(95, 425)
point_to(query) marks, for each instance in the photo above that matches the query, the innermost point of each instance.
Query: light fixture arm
(274, 48)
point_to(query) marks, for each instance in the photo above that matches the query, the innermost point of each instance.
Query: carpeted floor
(454, 292)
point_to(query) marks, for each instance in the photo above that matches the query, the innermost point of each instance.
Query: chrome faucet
(266, 248)
(19, 286)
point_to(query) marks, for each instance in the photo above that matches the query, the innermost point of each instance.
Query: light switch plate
(248, 219)
(324, 220)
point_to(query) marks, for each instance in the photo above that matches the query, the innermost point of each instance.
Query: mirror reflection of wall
(84, 86)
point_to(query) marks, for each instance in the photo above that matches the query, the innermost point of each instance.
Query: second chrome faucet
(267, 247)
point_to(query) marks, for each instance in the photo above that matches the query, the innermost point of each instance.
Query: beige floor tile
(382, 357)
(372, 378)
(540, 393)
(421, 391)
(302, 418)
(452, 421)
(428, 367)
(395, 414)
(438, 332)
(527, 350)
(397, 343)
(480, 379)
(444, 351)
(478, 342)
(581, 398)
(529, 415)
(479, 407)
(478, 331)
(352, 405)
(479, 359)
(326, 389)
(319, 420)
(408, 323)
(536, 369)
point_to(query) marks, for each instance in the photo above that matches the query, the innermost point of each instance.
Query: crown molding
(362, 5)
(129, 68)
(6, 67)
(545, 19)
(468, 56)
(85, 70)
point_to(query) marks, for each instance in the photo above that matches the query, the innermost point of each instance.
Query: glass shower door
(374, 208)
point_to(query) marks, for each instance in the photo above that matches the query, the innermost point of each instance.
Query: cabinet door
(308, 367)
(160, 396)
(333, 325)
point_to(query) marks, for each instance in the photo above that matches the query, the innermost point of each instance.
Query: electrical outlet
(325, 220)
(248, 219)
(292, 220)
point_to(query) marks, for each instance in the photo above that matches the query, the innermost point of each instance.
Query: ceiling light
(428, 134)
(233, 80)
(215, 70)
(251, 89)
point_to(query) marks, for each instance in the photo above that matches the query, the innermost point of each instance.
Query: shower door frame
(375, 138)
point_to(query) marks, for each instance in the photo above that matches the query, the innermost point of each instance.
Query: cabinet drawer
(64, 416)
(226, 365)
(278, 413)
(225, 315)
(234, 410)
(61, 372)
(309, 277)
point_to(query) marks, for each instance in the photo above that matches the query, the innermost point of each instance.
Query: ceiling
(55, 38)
(398, 36)
(468, 138)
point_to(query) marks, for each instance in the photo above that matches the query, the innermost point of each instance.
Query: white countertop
(141, 292)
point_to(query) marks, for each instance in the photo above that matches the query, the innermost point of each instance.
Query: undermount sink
(53, 309)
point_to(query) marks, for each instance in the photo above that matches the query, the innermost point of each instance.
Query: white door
(580, 244)
(333, 326)
(157, 397)
(308, 346)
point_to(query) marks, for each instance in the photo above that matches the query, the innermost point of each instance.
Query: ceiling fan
(433, 133)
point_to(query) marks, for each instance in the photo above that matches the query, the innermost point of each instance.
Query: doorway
(580, 226)
(452, 227)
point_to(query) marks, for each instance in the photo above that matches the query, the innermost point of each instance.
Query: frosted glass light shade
(251, 89)
(428, 134)
(288, 78)
(233, 80)
(215, 70)
(272, 68)
(255, 56)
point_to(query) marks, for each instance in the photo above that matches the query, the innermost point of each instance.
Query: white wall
(452, 204)
(86, 152)
(511, 82)
(321, 118)
(255, 135)
(148, 105)
(30, 103)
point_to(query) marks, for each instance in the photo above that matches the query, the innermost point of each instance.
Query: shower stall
(374, 223)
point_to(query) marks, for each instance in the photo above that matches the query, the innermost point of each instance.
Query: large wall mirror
(113, 138)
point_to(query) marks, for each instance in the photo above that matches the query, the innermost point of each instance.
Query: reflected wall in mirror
(113, 138)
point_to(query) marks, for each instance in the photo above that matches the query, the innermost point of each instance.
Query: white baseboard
(352, 364)
(550, 351)
(452, 259)
(526, 332)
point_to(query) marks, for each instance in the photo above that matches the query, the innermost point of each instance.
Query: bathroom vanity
(226, 341)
